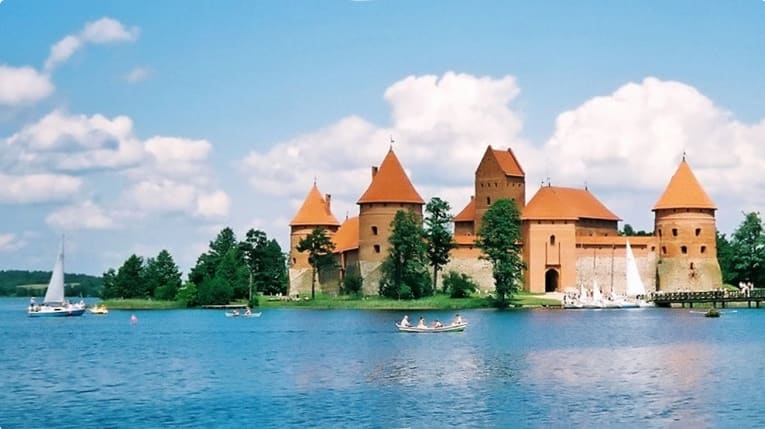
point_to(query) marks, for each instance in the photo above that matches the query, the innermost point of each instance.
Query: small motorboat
(99, 309)
(454, 327)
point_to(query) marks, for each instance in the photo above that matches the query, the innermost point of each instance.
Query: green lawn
(437, 302)
(140, 304)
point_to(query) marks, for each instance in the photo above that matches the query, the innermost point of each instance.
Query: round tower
(389, 192)
(686, 230)
(314, 213)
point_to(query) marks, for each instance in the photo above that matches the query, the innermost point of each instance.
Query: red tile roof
(684, 191)
(390, 184)
(468, 213)
(508, 162)
(557, 203)
(347, 236)
(314, 211)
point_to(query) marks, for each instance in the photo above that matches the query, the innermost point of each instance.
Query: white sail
(597, 296)
(55, 292)
(635, 285)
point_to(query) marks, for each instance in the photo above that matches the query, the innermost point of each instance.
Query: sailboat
(635, 287)
(54, 304)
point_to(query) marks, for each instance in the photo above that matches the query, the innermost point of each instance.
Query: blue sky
(134, 127)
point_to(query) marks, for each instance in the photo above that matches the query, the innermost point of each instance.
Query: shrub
(459, 285)
(352, 281)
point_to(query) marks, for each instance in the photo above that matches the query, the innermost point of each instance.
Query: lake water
(308, 368)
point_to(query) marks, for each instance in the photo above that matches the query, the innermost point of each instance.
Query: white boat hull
(56, 311)
(446, 328)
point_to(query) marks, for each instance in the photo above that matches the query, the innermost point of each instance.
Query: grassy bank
(438, 302)
(140, 304)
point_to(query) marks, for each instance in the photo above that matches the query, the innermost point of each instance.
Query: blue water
(304, 368)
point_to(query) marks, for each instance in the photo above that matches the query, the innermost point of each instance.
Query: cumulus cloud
(23, 85)
(78, 142)
(441, 127)
(168, 196)
(138, 74)
(102, 31)
(635, 137)
(34, 188)
(86, 215)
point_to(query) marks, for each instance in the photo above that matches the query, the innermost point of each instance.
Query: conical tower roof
(684, 191)
(314, 211)
(390, 184)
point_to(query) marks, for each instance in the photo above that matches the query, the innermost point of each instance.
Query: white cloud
(138, 74)
(441, 125)
(78, 142)
(174, 156)
(102, 31)
(33, 188)
(215, 204)
(86, 215)
(22, 85)
(9, 242)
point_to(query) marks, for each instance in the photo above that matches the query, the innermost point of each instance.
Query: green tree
(188, 295)
(352, 280)
(165, 277)
(208, 262)
(725, 258)
(459, 285)
(129, 281)
(748, 243)
(499, 239)
(404, 271)
(110, 287)
(438, 235)
(266, 262)
(319, 247)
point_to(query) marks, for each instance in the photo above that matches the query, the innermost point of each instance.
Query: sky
(132, 127)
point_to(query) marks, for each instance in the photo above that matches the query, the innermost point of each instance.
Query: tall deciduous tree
(725, 258)
(748, 243)
(499, 239)
(266, 261)
(404, 271)
(438, 236)
(208, 262)
(129, 281)
(319, 247)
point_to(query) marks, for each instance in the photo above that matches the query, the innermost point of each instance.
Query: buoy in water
(133, 319)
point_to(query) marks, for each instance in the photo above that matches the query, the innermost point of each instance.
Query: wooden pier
(715, 297)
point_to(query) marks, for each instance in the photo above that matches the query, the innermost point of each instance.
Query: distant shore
(437, 302)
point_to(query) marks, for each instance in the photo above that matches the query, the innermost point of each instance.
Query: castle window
(674, 232)
(488, 201)
(552, 240)
(374, 230)
(294, 261)
(698, 232)
(703, 249)
(377, 248)
(496, 184)
(653, 248)
(660, 232)
(684, 249)
(663, 250)
(691, 265)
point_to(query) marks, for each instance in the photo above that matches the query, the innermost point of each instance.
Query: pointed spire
(391, 184)
(684, 191)
(314, 211)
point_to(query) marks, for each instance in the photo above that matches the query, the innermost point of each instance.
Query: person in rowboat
(458, 320)
(405, 321)
(421, 323)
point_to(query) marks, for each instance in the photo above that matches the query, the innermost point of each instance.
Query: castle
(568, 236)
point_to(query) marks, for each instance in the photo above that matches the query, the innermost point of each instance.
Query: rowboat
(232, 314)
(454, 327)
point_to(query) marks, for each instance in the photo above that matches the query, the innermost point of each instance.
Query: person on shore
(421, 323)
(405, 321)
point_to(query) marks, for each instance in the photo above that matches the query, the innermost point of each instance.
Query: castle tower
(499, 175)
(314, 213)
(389, 192)
(686, 231)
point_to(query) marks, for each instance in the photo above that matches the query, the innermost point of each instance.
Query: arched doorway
(551, 280)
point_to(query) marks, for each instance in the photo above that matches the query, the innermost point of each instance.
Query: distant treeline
(32, 283)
